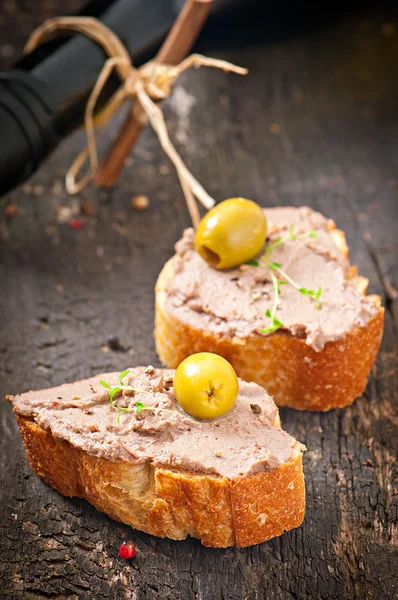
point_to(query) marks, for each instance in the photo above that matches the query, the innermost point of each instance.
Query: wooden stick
(176, 46)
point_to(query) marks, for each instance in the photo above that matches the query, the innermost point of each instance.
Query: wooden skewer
(176, 46)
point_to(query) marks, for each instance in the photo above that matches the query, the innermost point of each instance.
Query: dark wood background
(315, 122)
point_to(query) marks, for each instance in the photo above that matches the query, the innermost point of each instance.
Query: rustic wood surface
(315, 123)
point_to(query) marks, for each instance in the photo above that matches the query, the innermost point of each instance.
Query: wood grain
(315, 123)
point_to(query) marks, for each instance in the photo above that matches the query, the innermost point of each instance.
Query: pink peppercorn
(127, 551)
(76, 224)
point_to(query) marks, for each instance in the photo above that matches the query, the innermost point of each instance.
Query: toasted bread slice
(74, 442)
(296, 373)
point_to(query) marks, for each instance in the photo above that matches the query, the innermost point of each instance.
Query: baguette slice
(294, 372)
(74, 442)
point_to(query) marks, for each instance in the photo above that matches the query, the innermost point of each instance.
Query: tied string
(145, 87)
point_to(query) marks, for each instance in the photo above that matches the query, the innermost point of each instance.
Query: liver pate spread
(241, 442)
(233, 303)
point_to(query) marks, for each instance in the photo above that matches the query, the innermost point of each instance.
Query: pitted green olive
(231, 233)
(206, 385)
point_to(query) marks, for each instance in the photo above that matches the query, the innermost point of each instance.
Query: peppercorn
(127, 551)
(113, 342)
(76, 224)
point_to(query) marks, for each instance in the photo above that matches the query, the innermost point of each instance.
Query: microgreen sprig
(113, 390)
(253, 263)
(315, 295)
(138, 406)
(282, 240)
(288, 237)
(271, 314)
(276, 267)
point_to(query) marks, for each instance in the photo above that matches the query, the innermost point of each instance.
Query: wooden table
(315, 122)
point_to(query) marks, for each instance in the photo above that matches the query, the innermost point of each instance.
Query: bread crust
(166, 503)
(290, 370)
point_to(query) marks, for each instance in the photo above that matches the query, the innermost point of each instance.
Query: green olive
(231, 233)
(206, 385)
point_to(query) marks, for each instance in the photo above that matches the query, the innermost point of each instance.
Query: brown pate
(242, 442)
(233, 303)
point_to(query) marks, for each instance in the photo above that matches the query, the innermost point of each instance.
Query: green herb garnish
(315, 295)
(276, 267)
(288, 237)
(114, 390)
(271, 314)
(138, 406)
(305, 291)
(253, 263)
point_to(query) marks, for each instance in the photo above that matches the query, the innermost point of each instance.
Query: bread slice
(292, 371)
(169, 499)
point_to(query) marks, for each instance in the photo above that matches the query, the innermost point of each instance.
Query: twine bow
(144, 86)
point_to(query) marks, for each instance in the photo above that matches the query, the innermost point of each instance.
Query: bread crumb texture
(220, 512)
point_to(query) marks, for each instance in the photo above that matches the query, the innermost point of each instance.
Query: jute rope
(144, 87)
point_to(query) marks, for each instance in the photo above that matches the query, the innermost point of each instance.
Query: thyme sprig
(282, 240)
(271, 314)
(288, 237)
(303, 290)
(277, 269)
(138, 406)
(113, 390)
